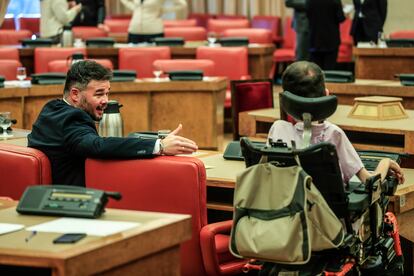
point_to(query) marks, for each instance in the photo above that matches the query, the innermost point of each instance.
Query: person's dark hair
(84, 71)
(304, 79)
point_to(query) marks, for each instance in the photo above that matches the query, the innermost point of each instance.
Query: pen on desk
(32, 234)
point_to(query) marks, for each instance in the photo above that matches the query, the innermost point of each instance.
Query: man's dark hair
(304, 79)
(84, 71)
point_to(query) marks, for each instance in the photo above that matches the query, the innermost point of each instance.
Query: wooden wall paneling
(12, 99)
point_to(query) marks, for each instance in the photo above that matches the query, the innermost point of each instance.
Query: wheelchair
(371, 245)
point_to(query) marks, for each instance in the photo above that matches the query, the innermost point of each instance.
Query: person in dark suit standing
(92, 14)
(324, 19)
(65, 129)
(369, 19)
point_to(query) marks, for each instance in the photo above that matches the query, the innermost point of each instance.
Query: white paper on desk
(94, 227)
(9, 227)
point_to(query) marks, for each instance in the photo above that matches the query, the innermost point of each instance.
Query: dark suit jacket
(67, 135)
(324, 19)
(375, 13)
(92, 13)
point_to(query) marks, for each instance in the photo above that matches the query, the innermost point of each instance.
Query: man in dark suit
(369, 19)
(324, 19)
(65, 129)
(92, 14)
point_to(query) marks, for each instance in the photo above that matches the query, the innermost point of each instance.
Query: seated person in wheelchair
(306, 79)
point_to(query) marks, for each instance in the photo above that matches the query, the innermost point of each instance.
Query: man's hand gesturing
(174, 144)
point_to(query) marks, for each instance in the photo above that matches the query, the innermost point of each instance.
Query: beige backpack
(280, 216)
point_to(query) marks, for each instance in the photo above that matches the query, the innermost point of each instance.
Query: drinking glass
(211, 38)
(157, 74)
(5, 122)
(21, 74)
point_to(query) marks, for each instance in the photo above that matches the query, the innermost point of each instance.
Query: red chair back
(42, 56)
(289, 35)
(62, 66)
(8, 24)
(9, 53)
(180, 23)
(84, 33)
(345, 48)
(141, 59)
(163, 184)
(269, 22)
(201, 18)
(22, 167)
(30, 23)
(230, 62)
(8, 68)
(165, 65)
(13, 37)
(117, 25)
(403, 34)
(218, 26)
(260, 36)
(187, 33)
(249, 95)
(231, 16)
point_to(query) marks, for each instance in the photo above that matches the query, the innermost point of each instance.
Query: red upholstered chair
(180, 23)
(230, 62)
(165, 65)
(13, 37)
(9, 53)
(21, 167)
(8, 24)
(230, 16)
(8, 68)
(269, 22)
(174, 185)
(249, 95)
(345, 48)
(141, 59)
(187, 33)
(254, 35)
(201, 18)
(285, 54)
(62, 66)
(402, 34)
(42, 56)
(84, 32)
(30, 23)
(117, 25)
(218, 26)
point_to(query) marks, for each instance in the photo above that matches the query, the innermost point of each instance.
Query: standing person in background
(301, 26)
(146, 22)
(54, 15)
(369, 19)
(324, 15)
(92, 14)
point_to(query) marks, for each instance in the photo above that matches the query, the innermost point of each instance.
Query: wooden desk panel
(260, 57)
(383, 63)
(147, 105)
(138, 250)
(346, 92)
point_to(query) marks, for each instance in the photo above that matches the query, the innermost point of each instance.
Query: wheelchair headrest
(319, 108)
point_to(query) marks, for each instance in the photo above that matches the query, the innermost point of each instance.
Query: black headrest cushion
(320, 108)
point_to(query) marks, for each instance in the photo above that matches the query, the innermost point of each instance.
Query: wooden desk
(387, 135)
(382, 63)
(147, 105)
(260, 57)
(138, 251)
(346, 92)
